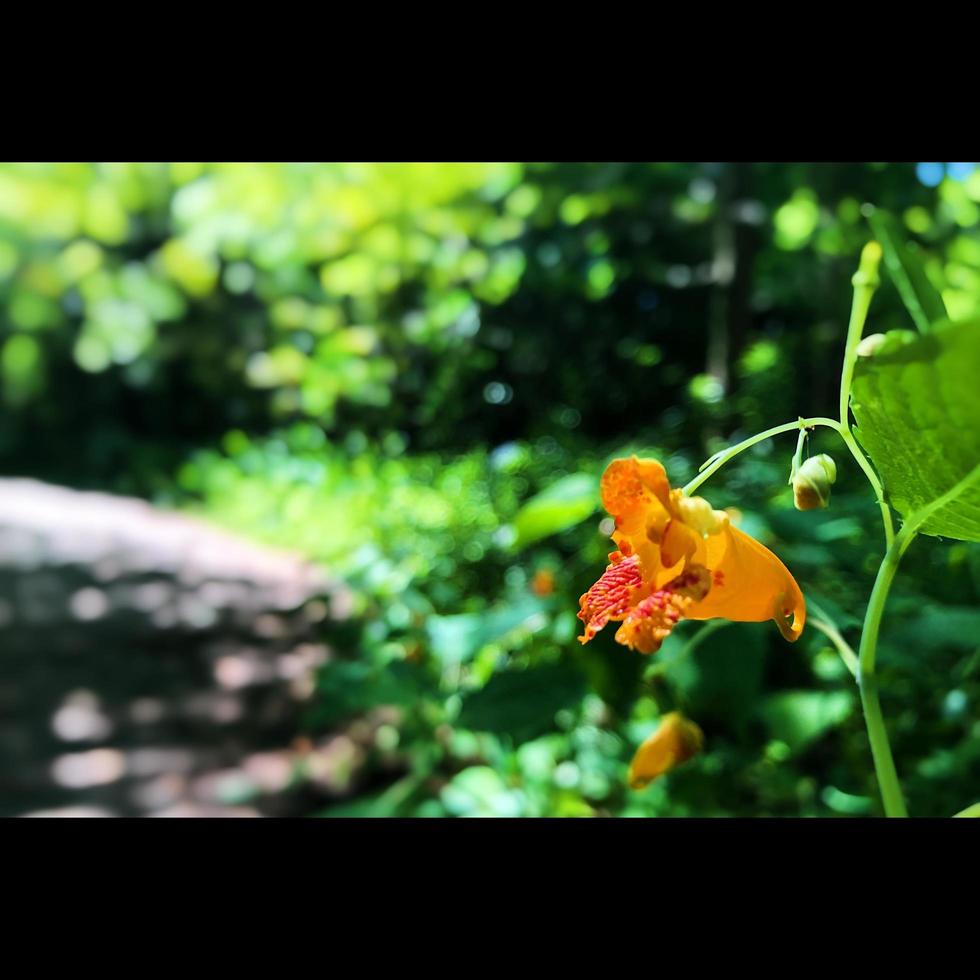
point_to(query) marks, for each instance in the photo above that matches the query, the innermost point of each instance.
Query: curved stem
(865, 283)
(886, 514)
(719, 459)
(847, 654)
(891, 792)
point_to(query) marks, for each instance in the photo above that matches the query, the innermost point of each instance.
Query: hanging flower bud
(676, 740)
(870, 345)
(812, 482)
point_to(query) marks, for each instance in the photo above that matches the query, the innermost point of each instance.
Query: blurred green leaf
(921, 298)
(456, 639)
(563, 505)
(846, 803)
(523, 703)
(387, 803)
(915, 401)
(479, 792)
(824, 606)
(800, 717)
(970, 811)
(348, 687)
(937, 627)
(721, 679)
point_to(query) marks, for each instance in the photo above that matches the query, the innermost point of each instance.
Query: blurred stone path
(150, 663)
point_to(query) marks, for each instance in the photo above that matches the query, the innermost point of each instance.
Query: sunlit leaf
(563, 505)
(915, 400)
(455, 639)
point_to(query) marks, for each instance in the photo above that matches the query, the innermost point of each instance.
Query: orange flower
(675, 741)
(679, 559)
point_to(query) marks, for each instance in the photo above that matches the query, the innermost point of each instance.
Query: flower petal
(749, 584)
(679, 543)
(630, 483)
(675, 741)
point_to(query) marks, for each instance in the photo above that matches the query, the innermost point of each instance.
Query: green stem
(891, 792)
(847, 654)
(886, 514)
(719, 459)
(798, 457)
(865, 282)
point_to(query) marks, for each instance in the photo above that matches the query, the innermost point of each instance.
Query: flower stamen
(652, 619)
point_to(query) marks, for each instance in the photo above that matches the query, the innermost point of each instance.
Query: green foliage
(921, 298)
(414, 375)
(798, 718)
(915, 402)
(480, 792)
(350, 687)
(457, 639)
(562, 505)
(522, 704)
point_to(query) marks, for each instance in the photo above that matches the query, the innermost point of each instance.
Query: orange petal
(679, 543)
(749, 584)
(629, 483)
(675, 741)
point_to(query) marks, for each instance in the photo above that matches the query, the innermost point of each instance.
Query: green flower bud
(812, 482)
(870, 345)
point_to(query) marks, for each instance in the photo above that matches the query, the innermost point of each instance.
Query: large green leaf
(916, 402)
(921, 298)
(563, 505)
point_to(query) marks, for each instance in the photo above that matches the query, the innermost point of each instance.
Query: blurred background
(298, 487)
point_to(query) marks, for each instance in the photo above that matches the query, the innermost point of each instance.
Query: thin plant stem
(719, 459)
(891, 792)
(886, 514)
(844, 648)
(888, 785)
(865, 282)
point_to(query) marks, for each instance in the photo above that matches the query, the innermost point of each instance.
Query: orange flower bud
(676, 740)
